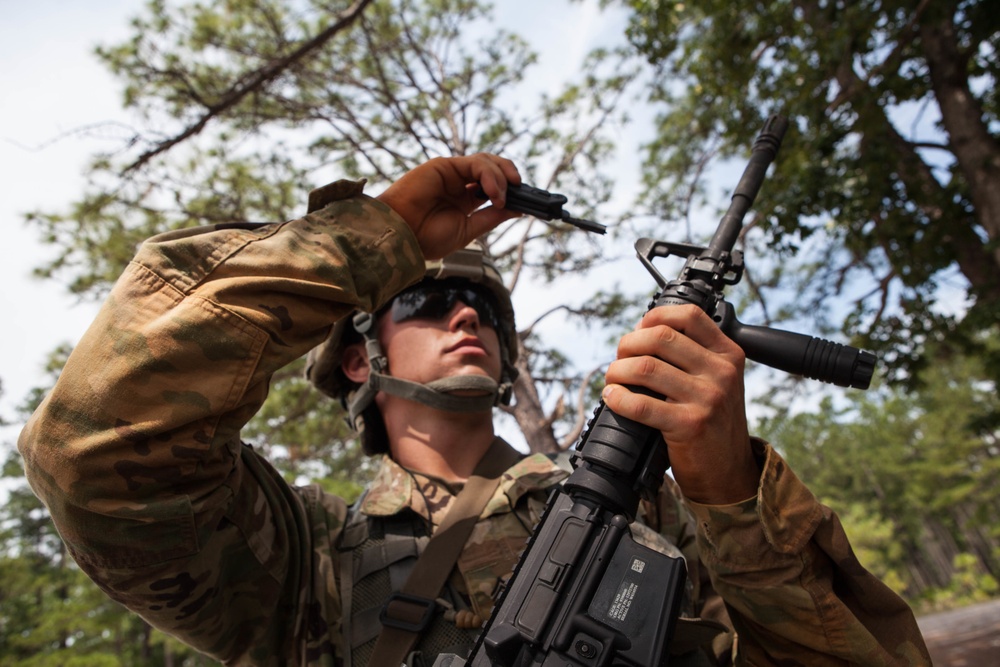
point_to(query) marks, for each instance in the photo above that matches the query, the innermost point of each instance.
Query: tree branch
(252, 82)
(582, 411)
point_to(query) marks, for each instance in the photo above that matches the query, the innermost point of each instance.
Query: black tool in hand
(543, 205)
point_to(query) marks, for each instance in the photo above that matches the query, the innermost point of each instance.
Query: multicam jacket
(136, 452)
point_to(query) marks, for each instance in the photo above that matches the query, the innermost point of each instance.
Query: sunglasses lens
(432, 301)
(485, 306)
(420, 304)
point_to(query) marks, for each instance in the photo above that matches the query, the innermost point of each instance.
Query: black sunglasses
(434, 299)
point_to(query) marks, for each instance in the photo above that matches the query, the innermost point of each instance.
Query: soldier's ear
(354, 363)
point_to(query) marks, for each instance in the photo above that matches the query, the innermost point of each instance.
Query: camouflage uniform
(136, 452)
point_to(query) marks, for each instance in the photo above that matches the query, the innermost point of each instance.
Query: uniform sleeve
(795, 591)
(136, 450)
(670, 516)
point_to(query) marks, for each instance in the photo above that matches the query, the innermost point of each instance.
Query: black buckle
(429, 607)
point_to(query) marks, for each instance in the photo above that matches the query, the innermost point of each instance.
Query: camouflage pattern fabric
(136, 453)
(795, 591)
(496, 541)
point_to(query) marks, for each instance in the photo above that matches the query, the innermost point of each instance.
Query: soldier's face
(427, 348)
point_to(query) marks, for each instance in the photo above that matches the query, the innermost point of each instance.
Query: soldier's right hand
(678, 352)
(437, 200)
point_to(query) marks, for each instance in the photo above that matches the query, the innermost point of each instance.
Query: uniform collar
(394, 488)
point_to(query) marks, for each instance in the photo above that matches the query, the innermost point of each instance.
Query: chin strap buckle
(364, 324)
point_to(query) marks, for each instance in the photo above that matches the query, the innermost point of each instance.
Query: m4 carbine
(584, 592)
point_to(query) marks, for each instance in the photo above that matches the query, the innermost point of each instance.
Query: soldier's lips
(467, 345)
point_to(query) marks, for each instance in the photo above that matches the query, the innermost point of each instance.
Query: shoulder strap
(407, 613)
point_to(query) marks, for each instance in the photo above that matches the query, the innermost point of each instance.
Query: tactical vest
(376, 557)
(377, 554)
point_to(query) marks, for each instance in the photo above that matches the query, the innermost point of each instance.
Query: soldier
(136, 450)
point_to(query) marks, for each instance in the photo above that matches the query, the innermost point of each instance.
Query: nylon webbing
(439, 557)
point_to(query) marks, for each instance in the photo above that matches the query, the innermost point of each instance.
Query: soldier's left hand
(437, 200)
(679, 352)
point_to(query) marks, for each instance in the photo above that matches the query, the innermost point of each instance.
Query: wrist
(719, 483)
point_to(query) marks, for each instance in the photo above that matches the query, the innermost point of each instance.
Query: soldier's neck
(445, 445)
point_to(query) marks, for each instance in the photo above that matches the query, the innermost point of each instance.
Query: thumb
(485, 220)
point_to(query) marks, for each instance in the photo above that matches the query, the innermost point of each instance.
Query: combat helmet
(323, 363)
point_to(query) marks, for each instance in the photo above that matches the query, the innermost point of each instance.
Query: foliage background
(912, 468)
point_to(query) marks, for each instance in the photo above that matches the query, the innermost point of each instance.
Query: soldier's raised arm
(136, 451)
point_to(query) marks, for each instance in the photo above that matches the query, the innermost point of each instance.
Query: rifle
(584, 592)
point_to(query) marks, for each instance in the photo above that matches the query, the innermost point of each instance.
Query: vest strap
(407, 613)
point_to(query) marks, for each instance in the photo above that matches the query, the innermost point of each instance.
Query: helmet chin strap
(449, 394)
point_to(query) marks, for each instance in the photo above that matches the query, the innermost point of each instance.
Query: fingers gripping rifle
(584, 592)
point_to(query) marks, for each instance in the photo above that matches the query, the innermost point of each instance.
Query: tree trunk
(942, 549)
(528, 410)
(976, 537)
(976, 150)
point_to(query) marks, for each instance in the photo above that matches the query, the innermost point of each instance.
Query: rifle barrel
(765, 148)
